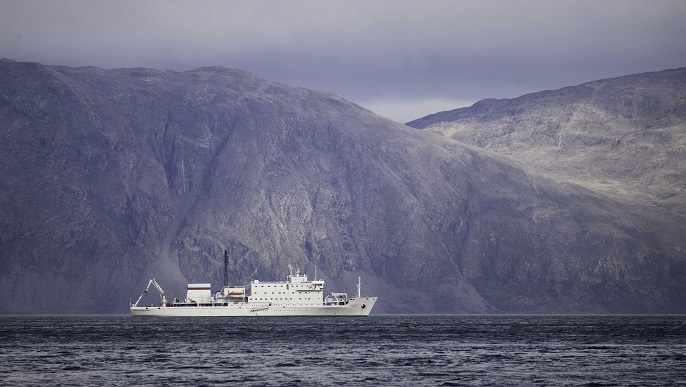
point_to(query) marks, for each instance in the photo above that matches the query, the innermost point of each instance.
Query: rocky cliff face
(110, 177)
(625, 136)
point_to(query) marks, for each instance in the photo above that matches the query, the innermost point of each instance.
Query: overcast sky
(401, 59)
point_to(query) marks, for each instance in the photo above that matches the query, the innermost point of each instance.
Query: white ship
(297, 296)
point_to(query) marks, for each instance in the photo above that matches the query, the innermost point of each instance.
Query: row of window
(282, 299)
(256, 292)
(280, 286)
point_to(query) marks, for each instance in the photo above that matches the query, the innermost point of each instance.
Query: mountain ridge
(623, 136)
(110, 177)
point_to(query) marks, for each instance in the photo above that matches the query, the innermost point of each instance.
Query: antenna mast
(226, 268)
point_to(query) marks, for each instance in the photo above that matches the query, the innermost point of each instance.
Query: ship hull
(356, 307)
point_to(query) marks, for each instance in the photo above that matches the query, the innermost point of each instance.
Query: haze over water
(378, 350)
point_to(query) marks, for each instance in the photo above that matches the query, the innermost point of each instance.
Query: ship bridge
(297, 290)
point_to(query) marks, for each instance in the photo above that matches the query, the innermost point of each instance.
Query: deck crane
(163, 299)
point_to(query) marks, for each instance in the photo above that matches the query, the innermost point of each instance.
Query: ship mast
(226, 268)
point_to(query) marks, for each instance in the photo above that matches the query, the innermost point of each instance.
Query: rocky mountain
(625, 136)
(111, 177)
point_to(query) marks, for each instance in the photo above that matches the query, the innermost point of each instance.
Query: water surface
(376, 350)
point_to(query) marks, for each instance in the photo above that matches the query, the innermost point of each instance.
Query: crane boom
(163, 299)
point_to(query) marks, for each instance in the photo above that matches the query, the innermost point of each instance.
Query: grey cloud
(464, 50)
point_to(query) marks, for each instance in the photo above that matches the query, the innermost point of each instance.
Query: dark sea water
(377, 350)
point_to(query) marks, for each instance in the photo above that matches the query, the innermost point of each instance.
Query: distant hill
(623, 136)
(111, 177)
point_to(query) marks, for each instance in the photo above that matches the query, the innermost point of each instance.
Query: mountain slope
(623, 136)
(109, 177)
